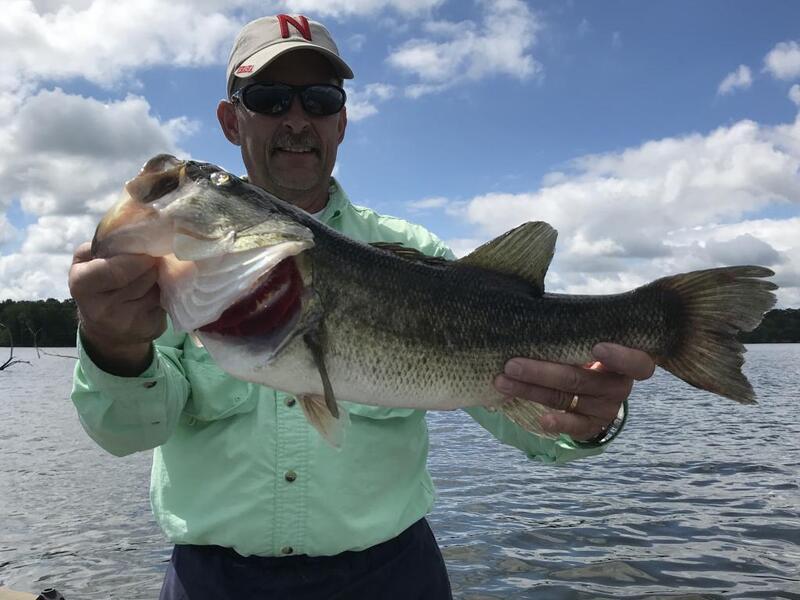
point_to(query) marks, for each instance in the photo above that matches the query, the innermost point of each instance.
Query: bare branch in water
(46, 353)
(35, 335)
(39, 352)
(10, 362)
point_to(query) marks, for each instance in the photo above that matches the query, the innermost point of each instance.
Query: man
(256, 504)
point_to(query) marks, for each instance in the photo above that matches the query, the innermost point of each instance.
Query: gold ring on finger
(573, 404)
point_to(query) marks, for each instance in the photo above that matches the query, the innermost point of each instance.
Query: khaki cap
(265, 39)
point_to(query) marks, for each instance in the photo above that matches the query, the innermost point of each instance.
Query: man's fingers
(140, 286)
(83, 253)
(578, 427)
(625, 361)
(126, 268)
(106, 275)
(557, 399)
(565, 378)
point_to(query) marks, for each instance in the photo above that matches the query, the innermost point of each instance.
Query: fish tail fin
(712, 307)
(321, 418)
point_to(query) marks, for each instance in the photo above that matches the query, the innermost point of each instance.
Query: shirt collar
(337, 202)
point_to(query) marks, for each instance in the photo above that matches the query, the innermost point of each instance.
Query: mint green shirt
(237, 465)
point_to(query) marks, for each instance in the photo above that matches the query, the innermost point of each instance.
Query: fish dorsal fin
(409, 253)
(525, 251)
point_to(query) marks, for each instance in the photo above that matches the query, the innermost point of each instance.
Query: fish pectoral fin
(525, 251)
(321, 410)
(526, 414)
(316, 410)
(312, 340)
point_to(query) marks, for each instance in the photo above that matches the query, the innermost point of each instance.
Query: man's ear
(226, 113)
(342, 123)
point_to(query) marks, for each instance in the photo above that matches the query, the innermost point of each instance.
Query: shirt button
(290, 476)
(287, 550)
(289, 401)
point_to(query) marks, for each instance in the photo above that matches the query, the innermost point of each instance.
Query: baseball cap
(265, 39)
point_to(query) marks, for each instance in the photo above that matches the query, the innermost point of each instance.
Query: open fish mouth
(275, 302)
(253, 292)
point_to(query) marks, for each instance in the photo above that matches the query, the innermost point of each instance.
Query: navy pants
(408, 567)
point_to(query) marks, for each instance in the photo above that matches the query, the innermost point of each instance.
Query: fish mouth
(274, 305)
(160, 177)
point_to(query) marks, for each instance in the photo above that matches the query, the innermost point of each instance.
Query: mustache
(295, 141)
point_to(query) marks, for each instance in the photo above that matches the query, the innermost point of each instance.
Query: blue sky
(610, 120)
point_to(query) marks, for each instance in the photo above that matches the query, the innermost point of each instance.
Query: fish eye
(220, 178)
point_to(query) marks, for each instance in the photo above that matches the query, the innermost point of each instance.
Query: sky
(657, 137)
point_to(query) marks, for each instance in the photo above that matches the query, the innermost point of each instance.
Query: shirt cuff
(102, 380)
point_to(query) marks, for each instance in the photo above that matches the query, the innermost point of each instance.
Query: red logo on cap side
(302, 26)
(244, 69)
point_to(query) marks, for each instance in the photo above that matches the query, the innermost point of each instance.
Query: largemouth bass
(280, 299)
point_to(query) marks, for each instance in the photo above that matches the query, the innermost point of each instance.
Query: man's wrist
(123, 360)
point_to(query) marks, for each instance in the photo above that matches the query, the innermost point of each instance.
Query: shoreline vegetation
(53, 324)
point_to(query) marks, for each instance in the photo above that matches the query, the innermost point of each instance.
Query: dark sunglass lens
(323, 99)
(267, 99)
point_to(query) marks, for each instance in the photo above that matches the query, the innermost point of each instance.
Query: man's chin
(296, 182)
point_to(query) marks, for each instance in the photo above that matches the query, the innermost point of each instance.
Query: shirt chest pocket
(215, 394)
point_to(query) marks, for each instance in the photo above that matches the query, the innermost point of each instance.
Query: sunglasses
(319, 99)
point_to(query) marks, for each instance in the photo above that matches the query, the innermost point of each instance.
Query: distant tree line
(49, 323)
(778, 326)
(55, 323)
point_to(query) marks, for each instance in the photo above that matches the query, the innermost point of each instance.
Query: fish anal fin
(525, 251)
(319, 416)
(526, 414)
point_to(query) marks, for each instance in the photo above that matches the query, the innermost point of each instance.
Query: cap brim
(265, 56)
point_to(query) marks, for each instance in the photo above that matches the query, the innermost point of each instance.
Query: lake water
(698, 498)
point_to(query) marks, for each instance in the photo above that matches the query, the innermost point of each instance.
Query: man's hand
(118, 307)
(600, 388)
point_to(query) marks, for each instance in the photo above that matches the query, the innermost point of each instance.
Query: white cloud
(362, 102)
(794, 94)
(455, 52)
(340, 8)
(428, 203)
(356, 42)
(65, 154)
(628, 217)
(463, 246)
(64, 157)
(783, 61)
(741, 78)
(616, 40)
(34, 276)
(58, 234)
(8, 233)
(102, 40)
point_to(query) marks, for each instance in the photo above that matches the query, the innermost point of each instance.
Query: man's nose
(296, 118)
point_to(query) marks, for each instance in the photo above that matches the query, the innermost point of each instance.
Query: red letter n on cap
(302, 26)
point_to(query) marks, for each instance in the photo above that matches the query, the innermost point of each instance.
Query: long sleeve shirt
(237, 465)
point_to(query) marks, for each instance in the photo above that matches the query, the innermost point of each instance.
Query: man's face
(291, 155)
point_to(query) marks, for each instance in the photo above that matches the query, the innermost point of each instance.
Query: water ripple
(698, 499)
